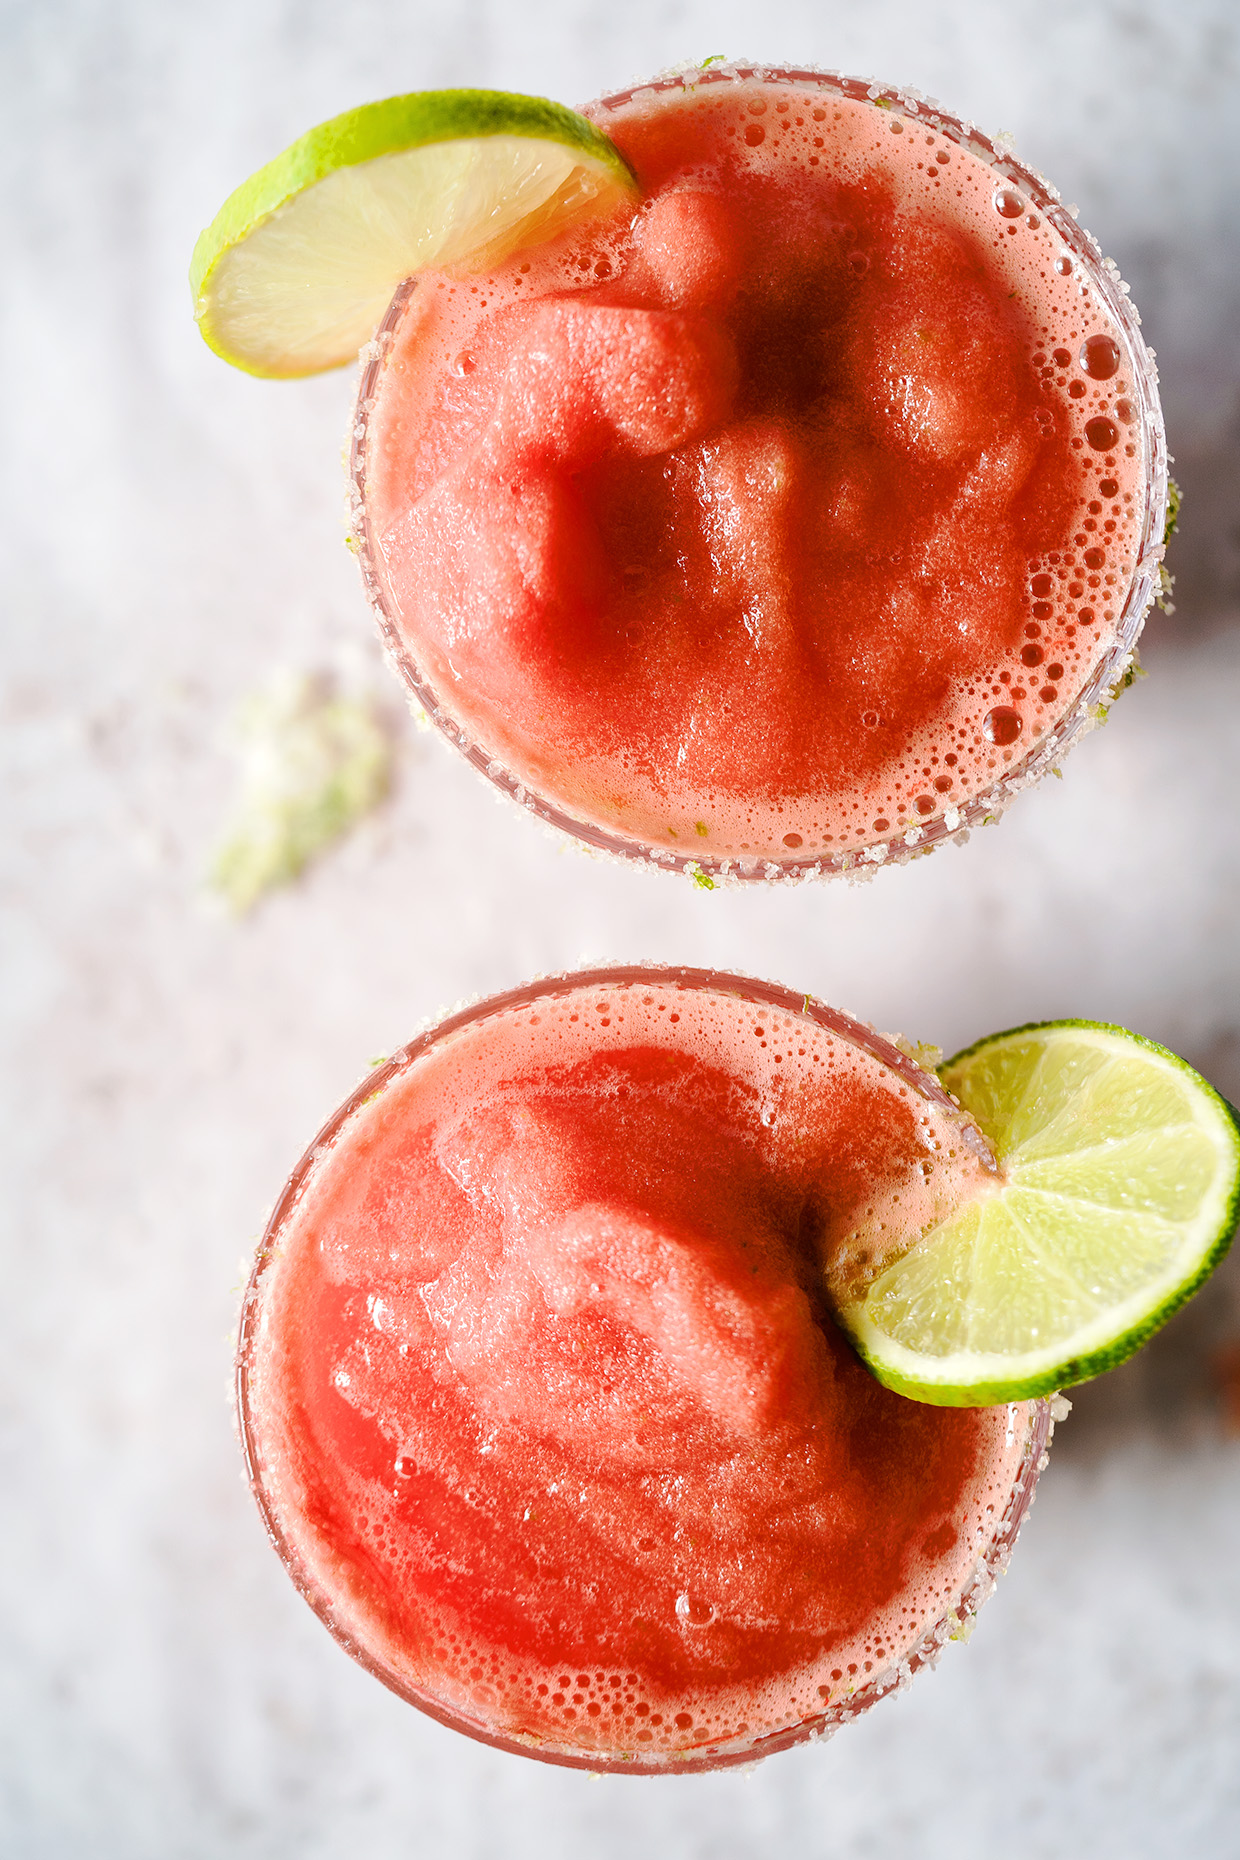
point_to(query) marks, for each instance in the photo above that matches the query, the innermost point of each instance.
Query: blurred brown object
(1225, 1364)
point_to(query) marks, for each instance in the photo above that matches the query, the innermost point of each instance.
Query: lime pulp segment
(296, 270)
(1118, 1192)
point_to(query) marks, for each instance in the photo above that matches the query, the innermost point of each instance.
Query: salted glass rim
(1100, 275)
(974, 1590)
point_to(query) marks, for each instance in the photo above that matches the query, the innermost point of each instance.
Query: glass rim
(1100, 689)
(896, 1676)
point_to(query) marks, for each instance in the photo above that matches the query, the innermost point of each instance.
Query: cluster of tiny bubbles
(602, 1710)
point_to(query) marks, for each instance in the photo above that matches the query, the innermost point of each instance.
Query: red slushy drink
(543, 1403)
(798, 516)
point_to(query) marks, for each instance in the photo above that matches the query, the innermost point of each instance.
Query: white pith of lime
(1117, 1194)
(299, 265)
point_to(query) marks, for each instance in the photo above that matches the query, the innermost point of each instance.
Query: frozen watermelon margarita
(542, 1401)
(790, 518)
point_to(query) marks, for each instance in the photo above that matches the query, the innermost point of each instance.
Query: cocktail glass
(1028, 1426)
(1142, 438)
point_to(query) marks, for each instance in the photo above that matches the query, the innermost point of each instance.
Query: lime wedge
(297, 268)
(1118, 1191)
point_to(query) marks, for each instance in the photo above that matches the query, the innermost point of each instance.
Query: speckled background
(172, 535)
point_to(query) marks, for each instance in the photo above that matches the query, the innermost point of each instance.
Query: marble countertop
(172, 535)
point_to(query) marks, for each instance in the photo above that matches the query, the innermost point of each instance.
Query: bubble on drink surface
(693, 1611)
(1102, 434)
(1063, 265)
(1009, 204)
(1100, 357)
(1001, 726)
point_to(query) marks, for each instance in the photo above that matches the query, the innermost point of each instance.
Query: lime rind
(1108, 1215)
(297, 268)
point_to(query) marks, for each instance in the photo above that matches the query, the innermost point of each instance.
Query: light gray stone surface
(172, 533)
